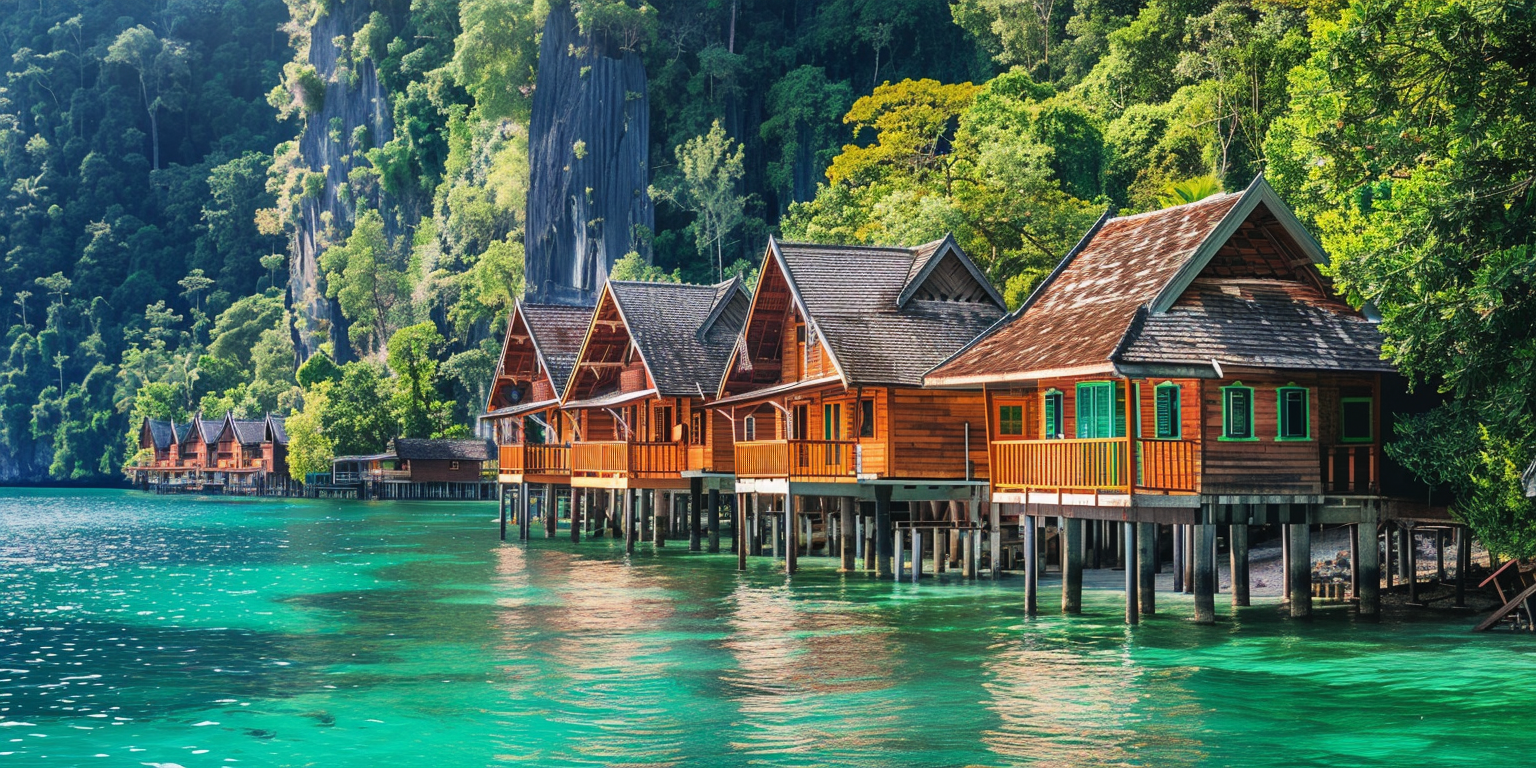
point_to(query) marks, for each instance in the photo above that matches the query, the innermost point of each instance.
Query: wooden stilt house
(522, 412)
(157, 442)
(825, 392)
(652, 355)
(1189, 366)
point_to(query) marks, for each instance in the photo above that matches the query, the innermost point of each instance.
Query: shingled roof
(1127, 297)
(685, 333)
(557, 332)
(277, 429)
(248, 432)
(162, 433)
(886, 313)
(410, 449)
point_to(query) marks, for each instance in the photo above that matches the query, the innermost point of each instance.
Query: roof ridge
(859, 246)
(1207, 199)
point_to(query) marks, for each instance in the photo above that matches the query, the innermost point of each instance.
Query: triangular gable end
(607, 303)
(516, 321)
(949, 275)
(1258, 193)
(723, 301)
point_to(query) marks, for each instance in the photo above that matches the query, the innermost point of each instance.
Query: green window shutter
(1100, 410)
(1294, 421)
(1237, 415)
(1053, 413)
(1166, 403)
(1118, 414)
(1084, 410)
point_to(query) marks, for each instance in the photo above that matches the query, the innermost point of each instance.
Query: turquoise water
(142, 630)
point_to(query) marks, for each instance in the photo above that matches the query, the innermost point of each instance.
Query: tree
(319, 367)
(1411, 146)
(309, 449)
(1189, 191)
(161, 66)
(633, 267)
(363, 276)
(413, 357)
(357, 416)
(709, 169)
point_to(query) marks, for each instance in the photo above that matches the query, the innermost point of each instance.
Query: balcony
(536, 459)
(1350, 468)
(1094, 464)
(628, 460)
(826, 460)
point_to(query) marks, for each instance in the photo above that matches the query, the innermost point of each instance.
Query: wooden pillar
(1071, 565)
(1440, 555)
(695, 513)
(1410, 560)
(501, 506)
(1204, 575)
(1300, 535)
(917, 554)
(845, 534)
(1146, 567)
(1239, 545)
(1178, 557)
(995, 539)
(1285, 563)
(631, 523)
(1368, 587)
(741, 525)
(524, 509)
(1132, 574)
(1463, 563)
(578, 515)
(1354, 562)
(793, 506)
(1031, 564)
(883, 538)
(1390, 562)
(1189, 559)
(550, 510)
(712, 521)
(657, 510)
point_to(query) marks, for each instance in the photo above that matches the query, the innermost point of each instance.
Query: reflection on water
(162, 630)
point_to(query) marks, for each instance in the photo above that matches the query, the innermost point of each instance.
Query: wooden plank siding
(928, 434)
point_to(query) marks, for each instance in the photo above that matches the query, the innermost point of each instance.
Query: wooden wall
(440, 470)
(928, 433)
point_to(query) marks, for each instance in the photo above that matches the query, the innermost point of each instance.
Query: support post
(1301, 570)
(741, 525)
(994, 540)
(845, 534)
(1031, 564)
(1204, 567)
(631, 524)
(1071, 565)
(1189, 559)
(501, 506)
(883, 531)
(1410, 558)
(917, 555)
(654, 509)
(1239, 542)
(1368, 588)
(1178, 557)
(792, 508)
(713, 520)
(1440, 555)
(1463, 563)
(1146, 567)
(578, 515)
(525, 508)
(695, 513)
(551, 510)
(901, 565)
(1132, 574)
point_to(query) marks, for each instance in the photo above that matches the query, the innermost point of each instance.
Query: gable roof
(277, 430)
(441, 450)
(684, 333)
(1126, 298)
(161, 433)
(557, 331)
(206, 431)
(866, 304)
(246, 432)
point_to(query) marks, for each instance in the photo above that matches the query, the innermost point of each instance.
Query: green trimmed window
(1357, 420)
(1294, 417)
(1237, 412)
(831, 421)
(1052, 411)
(1100, 409)
(1010, 420)
(1168, 416)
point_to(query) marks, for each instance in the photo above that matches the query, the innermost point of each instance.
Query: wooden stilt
(994, 540)
(523, 511)
(1072, 565)
(846, 535)
(1238, 537)
(712, 520)
(631, 521)
(1146, 567)
(1440, 555)
(1189, 559)
(1204, 576)
(741, 526)
(1178, 558)
(793, 506)
(1301, 570)
(1354, 562)
(1410, 558)
(901, 560)
(1031, 565)
(1132, 574)
(578, 515)
(551, 510)
(1463, 563)
(695, 514)
(883, 538)
(917, 555)
(1368, 587)
(501, 506)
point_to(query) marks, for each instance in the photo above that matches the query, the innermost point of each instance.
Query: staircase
(1516, 611)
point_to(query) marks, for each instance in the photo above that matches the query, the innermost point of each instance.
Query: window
(453, 465)
(867, 418)
(802, 423)
(832, 421)
(1053, 412)
(1168, 415)
(1100, 410)
(1293, 416)
(1356, 421)
(749, 428)
(1237, 412)
(1010, 419)
(533, 431)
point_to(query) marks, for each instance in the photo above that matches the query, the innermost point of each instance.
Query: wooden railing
(1167, 465)
(797, 459)
(388, 474)
(625, 459)
(535, 459)
(1350, 468)
(1094, 464)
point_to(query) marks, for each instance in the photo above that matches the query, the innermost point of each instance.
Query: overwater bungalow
(832, 426)
(635, 399)
(228, 455)
(1193, 368)
(522, 411)
(418, 469)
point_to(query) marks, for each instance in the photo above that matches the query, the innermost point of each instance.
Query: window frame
(1001, 420)
(832, 421)
(1306, 412)
(1060, 412)
(749, 429)
(1370, 423)
(1226, 417)
(1117, 391)
(866, 425)
(1175, 411)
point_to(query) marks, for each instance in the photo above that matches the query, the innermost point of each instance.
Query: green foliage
(413, 352)
(355, 415)
(633, 267)
(309, 448)
(366, 276)
(319, 367)
(1189, 191)
(709, 168)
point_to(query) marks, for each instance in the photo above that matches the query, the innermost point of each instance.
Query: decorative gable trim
(1258, 191)
(948, 247)
(721, 303)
